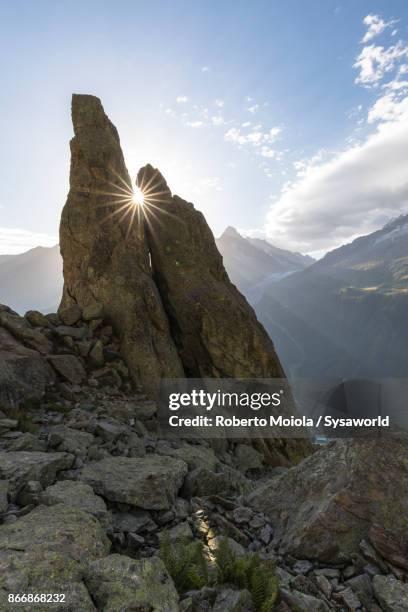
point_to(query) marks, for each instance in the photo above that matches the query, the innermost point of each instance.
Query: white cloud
(338, 196)
(392, 106)
(350, 195)
(253, 109)
(16, 240)
(375, 26)
(235, 135)
(217, 120)
(274, 133)
(268, 152)
(205, 69)
(256, 137)
(256, 140)
(374, 62)
(246, 135)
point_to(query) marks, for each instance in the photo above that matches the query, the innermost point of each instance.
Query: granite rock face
(78, 495)
(23, 371)
(46, 552)
(21, 466)
(106, 257)
(151, 482)
(215, 329)
(154, 273)
(120, 583)
(21, 329)
(99, 542)
(391, 594)
(107, 264)
(351, 490)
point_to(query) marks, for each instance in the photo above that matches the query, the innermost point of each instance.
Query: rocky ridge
(156, 271)
(81, 453)
(106, 266)
(89, 488)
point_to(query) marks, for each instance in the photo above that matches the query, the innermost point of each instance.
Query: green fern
(187, 565)
(250, 572)
(264, 585)
(225, 562)
(258, 589)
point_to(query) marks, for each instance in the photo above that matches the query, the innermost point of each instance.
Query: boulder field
(95, 502)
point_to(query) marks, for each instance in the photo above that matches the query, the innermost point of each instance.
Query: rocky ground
(88, 488)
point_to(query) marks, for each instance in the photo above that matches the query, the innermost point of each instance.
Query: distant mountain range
(347, 314)
(253, 264)
(31, 280)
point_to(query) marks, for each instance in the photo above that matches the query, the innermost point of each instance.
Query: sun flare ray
(135, 204)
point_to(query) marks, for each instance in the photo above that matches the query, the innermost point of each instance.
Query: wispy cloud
(374, 62)
(338, 196)
(253, 136)
(257, 141)
(247, 136)
(16, 240)
(352, 194)
(375, 26)
(393, 105)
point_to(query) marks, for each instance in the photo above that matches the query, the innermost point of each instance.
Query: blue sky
(283, 118)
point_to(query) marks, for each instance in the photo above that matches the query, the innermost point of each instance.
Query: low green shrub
(185, 562)
(187, 565)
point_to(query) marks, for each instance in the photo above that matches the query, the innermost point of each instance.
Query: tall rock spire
(104, 248)
(153, 269)
(215, 329)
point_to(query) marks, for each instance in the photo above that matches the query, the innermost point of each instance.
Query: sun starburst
(138, 198)
(127, 202)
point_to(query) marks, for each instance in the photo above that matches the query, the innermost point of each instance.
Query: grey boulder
(151, 482)
(46, 551)
(20, 467)
(323, 507)
(76, 494)
(120, 584)
(391, 594)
